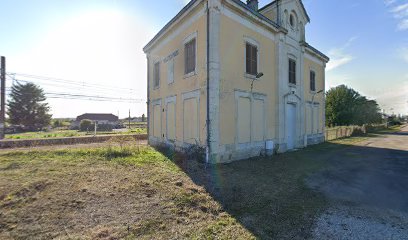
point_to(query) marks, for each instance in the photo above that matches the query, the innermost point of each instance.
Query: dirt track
(368, 187)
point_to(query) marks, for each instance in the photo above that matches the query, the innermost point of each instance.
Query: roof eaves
(174, 19)
(315, 51)
(273, 2)
(266, 6)
(304, 9)
(259, 15)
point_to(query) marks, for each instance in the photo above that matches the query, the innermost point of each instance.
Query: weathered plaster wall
(186, 90)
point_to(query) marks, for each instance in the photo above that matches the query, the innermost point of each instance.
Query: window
(190, 56)
(170, 71)
(156, 82)
(292, 71)
(312, 81)
(251, 59)
(292, 20)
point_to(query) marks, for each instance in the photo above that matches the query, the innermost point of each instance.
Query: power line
(86, 97)
(69, 82)
(76, 88)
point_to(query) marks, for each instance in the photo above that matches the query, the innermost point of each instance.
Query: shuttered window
(170, 71)
(156, 75)
(190, 56)
(292, 71)
(251, 59)
(312, 81)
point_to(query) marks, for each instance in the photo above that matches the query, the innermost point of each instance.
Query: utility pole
(129, 118)
(3, 97)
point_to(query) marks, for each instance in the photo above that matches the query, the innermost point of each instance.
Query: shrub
(104, 127)
(86, 125)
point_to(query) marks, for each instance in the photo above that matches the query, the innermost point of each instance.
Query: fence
(348, 131)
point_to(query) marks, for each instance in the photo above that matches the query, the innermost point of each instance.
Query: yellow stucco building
(237, 80)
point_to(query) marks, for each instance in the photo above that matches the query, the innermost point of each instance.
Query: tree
(57, 123)
(345, 106)
(86, 125)
(340, 105)
(27, 107)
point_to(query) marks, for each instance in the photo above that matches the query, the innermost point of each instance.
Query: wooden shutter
(292, 71)
(190, 56)
(157, 74)
(251, 59)
(312, 81)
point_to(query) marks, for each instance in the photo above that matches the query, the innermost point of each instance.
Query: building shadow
(279, 197)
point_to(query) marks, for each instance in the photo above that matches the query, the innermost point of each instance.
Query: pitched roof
(315, 51)
(256, 13)
(98, 117)
(192, 3)
(174, 19)
(274, 2)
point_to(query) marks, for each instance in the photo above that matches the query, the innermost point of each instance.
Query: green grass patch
(71, 133)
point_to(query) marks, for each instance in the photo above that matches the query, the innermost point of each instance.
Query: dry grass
(122, 191)
(113, 192)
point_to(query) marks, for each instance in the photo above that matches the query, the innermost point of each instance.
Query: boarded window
(244, 120)
(292, 71)
(258, 118)
(190, 121)
(170, 71)
(156, 75)
(190, 56)
(312, 81)
(316, 119)
(309, 119)
(251, 59)
(157, 121)
(171, 121)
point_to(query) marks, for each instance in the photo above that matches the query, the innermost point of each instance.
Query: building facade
(236, 80)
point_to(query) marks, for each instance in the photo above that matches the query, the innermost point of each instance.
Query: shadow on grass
(268, 196)
(272, 197)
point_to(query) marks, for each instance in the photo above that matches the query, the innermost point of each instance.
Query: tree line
(345, 106)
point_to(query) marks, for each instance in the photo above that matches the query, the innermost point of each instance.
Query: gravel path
(367, 187)
(354, 223)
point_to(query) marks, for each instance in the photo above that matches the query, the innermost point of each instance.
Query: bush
(86, 125)
(104, 127)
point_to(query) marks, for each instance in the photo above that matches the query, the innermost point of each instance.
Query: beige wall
(194, 23)
(319, 69)
(232, 44)
(270, 13)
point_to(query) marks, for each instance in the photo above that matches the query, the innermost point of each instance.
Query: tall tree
(345, 106)
(27, 106)
(340, 105)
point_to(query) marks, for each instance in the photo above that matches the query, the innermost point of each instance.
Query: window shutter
(251, 59)
(157, 74)
(170, 71)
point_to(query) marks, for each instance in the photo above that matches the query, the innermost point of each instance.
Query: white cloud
(339, 56)
(389, 2)
(399, 12)
(403, 25)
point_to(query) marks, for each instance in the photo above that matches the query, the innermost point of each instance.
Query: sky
(83, 50)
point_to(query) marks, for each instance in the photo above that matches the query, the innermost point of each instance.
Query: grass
(111, 192)
(69, 133)
(134, 192)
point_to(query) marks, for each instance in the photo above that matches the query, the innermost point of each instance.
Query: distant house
(100, 118)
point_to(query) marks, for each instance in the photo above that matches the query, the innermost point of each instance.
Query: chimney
(253, 4)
